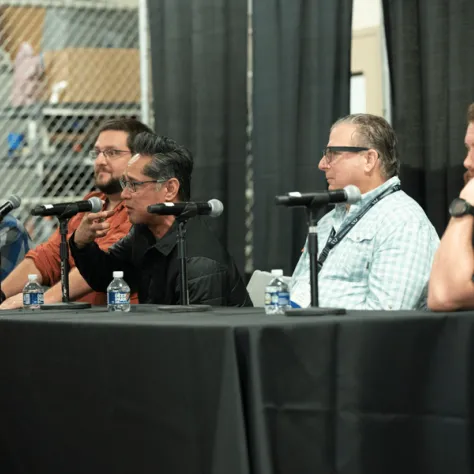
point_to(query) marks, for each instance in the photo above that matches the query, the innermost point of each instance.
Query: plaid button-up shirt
(384, 262)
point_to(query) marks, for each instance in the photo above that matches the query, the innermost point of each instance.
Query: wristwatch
(460, 207)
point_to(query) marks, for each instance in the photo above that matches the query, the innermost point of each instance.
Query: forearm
(17, 279)
(451, 276)
(97, 266)
(94, 265)
(78, 287)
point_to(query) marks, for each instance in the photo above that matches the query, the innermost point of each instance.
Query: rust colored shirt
(47, 259)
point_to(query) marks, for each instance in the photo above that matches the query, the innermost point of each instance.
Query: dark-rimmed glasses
(111, 153)
(133, 185)
(330, 152)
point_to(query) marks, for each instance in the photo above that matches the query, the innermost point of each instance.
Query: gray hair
(375, 132)
(169, 160)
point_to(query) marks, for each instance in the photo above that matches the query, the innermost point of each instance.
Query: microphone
(94, 204)
(350, 194)
(212, 208)
(11, 203)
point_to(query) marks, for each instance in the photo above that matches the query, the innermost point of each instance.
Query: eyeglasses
(111, 153)
(133, 185)
(330, 152)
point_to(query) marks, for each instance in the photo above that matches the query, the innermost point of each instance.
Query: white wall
(368, 59)
(366, 14)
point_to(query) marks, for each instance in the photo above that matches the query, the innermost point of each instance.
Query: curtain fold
(429, 46)
(199, 71)
(301, 85)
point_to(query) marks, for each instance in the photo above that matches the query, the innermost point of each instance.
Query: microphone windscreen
(96, 203)
(217, 208)
(15, 201)
(353, 194)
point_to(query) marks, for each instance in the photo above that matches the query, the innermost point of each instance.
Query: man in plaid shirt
(14, 244)
(383, 262)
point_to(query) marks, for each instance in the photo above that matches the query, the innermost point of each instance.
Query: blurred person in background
(112, 151)
(14, 244)
(159, 173)
(451, 281)
(383, 245)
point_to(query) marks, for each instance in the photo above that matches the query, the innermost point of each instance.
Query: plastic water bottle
(33, 293)
(277, 294)
(118, 294)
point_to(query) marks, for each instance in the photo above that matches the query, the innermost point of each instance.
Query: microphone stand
(314, 309)
(184, 306)
(183, 267)
(64, 255)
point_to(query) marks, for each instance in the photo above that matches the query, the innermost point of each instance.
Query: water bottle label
(33, 299)
(283, 298)
(118, 297)
(271, 297)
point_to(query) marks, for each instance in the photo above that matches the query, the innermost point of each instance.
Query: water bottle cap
(277, 273)
(117, 274)
(32, 276)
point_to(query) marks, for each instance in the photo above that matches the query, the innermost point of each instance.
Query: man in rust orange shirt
(112, 151)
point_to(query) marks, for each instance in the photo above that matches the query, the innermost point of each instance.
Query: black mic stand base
(184, 308)
(65, 306)
(314, 311)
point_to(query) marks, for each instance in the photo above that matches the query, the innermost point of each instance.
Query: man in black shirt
(159, 172)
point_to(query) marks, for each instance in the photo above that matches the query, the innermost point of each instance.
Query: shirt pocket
(356, 254)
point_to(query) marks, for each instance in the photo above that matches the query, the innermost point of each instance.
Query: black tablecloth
(235, 391)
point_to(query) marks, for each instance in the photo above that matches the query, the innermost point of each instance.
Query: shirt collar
(167, 243)
(367, 197)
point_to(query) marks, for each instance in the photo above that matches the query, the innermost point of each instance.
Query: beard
(111, 187)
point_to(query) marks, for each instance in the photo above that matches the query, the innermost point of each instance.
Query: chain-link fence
(65, 67)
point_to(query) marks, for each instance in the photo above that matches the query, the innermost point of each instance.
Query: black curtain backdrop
(430, 45)
(301, 70)
(199, 70)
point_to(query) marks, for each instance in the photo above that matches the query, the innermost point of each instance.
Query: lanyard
(334, 239)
